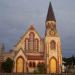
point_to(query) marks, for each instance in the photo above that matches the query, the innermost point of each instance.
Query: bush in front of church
(41, 68)
(7, 65)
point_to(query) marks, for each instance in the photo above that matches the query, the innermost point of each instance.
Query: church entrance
(20, 65)
(52, 66)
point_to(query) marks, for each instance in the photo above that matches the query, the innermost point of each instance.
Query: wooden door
(53, 66)
(20, 64)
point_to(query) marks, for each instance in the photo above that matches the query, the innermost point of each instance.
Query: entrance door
(20, 64)
(52, 65)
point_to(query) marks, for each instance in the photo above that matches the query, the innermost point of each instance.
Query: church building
(31, 49)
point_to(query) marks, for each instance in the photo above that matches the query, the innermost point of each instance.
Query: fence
(35, 74)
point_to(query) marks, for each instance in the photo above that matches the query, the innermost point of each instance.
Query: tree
(41, 68)
(7, 65)
(69, 61)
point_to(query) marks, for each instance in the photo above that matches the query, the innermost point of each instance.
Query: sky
(17, 15)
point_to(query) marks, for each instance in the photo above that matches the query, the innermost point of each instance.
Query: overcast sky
(17, 15)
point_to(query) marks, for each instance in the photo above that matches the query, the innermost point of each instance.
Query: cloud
(16, 16)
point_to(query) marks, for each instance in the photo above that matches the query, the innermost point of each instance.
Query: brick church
(31, 49)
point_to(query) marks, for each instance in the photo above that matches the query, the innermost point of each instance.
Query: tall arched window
(30, 64)
(36, 45)
(26, 44)
(52, 45)
(31, 41)
(34, 65)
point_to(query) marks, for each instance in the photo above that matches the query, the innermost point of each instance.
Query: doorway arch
(20, 64)
(53, 65)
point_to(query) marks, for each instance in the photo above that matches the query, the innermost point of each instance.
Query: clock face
(52, 33)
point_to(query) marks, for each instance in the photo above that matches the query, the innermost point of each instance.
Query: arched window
(36, 45)
(26, 44)
(30, 64)
(52, 45)
(34, 65)
(31, 41)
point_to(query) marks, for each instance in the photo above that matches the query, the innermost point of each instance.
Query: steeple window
(52, 45)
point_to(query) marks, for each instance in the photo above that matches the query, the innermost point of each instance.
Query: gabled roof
(50, 14)
(30, 28)
(19, 53)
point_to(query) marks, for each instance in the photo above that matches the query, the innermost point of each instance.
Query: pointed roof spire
(32, 27)
(50, 14)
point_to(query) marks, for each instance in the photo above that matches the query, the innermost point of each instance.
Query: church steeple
(50, 22)
(53, 53)
(50, 14)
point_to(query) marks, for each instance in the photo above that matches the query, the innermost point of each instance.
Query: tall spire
(50, 14)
